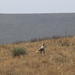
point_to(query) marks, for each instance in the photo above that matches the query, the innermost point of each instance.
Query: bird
(42, 48)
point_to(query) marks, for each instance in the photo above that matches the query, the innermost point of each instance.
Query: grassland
(59, 58)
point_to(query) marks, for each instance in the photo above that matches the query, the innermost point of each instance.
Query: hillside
(59, 58)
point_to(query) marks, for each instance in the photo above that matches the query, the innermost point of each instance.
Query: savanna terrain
(59, 58)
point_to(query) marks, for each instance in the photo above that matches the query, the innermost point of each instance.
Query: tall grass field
(59, 57)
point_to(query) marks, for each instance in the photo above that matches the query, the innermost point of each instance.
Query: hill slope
(59, 58)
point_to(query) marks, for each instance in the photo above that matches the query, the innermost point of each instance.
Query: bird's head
(43, 44)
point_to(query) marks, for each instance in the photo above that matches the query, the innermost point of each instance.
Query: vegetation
(18, 51)
(59, 58)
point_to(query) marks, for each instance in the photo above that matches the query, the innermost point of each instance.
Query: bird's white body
(42, 47)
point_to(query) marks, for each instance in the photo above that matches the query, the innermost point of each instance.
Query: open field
(59, 58)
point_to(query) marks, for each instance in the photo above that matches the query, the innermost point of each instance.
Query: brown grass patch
(59, 58)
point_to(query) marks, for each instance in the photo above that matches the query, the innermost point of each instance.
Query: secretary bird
(42, 49)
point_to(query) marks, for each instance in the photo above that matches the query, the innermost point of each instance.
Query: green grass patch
(16, 51)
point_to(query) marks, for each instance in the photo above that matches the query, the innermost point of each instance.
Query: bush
(18, 51)
(39, 39)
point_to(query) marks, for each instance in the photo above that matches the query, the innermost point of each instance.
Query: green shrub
(16, 51)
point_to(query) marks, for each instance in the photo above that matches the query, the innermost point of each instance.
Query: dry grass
(59, 58)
